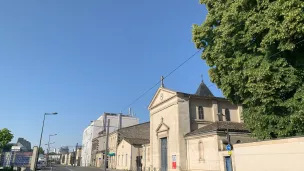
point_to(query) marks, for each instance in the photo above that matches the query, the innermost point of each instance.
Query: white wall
(88, 134)
(97, 126)
(203, 156)
(274, 155)
(123, 149)
(146, 160)
(134, 153)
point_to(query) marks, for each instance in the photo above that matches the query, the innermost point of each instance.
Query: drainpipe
(131, 163)
(187, 161)
(190, 112)
(144, 150)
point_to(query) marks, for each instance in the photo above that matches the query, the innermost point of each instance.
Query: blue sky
(82, 58)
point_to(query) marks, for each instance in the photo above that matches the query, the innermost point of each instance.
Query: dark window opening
(219, 111)
(227, 115)
(200, 112)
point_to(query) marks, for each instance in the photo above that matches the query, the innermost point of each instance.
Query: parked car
(40, 165)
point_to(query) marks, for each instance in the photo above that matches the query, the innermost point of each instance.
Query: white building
(91, 132)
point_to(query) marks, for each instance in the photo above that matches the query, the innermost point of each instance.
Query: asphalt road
(71, 168)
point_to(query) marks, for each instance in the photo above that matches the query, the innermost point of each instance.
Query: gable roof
(158, 91)
(137, 141)
(135, 134)
(203, 90)
(220, 126)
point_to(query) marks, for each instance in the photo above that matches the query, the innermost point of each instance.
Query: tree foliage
(256, 54)
(7, 147)
(40, 150)
(5, 137)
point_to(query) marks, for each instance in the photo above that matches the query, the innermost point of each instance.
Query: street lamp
(49, 144)
(50, 140)
(48, 149)
(54, 113)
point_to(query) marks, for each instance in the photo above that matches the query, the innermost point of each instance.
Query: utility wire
(142, 95)
(283, 51)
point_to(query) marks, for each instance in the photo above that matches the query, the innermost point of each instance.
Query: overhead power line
(166, 76)
(176, 68)
(283, 51)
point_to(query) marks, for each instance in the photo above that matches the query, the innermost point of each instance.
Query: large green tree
(255, 49)
(5, 137)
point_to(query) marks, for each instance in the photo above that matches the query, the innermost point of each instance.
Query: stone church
(191, 131)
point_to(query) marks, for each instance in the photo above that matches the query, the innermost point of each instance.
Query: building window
(121, 160)
(227, 115)
(201, 150)
(220, 114)
(148, 149)
(200, 112)
(126, 160)
(118, 160)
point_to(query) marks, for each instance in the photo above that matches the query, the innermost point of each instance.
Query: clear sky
(82, 58)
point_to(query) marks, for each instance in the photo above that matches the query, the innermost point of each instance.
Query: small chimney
(130, 111)
(119, 121)
(104, 121)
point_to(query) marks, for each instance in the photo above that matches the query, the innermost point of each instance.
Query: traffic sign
(228, 147)
(229, 153)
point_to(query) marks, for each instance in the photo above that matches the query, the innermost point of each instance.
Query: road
(71, 168)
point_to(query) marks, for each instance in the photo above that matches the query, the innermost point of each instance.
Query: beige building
(113, 142)
(146, 159)
(71, 158)
(128, 142)
(99, 159)
(78, 156)
(98, 147)
(64, 159)
(130, 153)
(188, 131)
(272, 155)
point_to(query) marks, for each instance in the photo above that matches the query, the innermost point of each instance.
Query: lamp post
(106, 133)
(48, 149)
(54, 113)
(107, 144)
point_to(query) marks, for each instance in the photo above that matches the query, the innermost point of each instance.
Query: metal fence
(15, 159)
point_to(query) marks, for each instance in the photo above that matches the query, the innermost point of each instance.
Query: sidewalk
(89, 168)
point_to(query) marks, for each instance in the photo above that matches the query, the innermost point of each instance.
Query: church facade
(190, 131)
